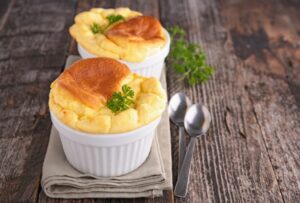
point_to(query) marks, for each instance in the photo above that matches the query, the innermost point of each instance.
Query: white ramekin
(106, 155)
(150, 67)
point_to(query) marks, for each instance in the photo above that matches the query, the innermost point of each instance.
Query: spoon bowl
(177, 108)
(197, 120)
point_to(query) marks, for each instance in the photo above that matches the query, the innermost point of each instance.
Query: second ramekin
(150, 67)
(106, 155)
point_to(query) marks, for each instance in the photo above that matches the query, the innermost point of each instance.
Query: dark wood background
(252, 151)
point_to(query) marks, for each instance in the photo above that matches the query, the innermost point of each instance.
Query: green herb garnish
(121, 101)
(95, 28)
(111, 20)
(188, 58)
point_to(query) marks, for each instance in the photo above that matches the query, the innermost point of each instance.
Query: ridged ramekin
(106, 155)
(150, 67)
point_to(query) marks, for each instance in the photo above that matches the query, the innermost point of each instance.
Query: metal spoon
(196, 123)
(178, 106)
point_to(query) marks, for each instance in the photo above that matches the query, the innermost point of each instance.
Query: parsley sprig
(96, 28)
(121, 101)
(113, 19)
(188, 59)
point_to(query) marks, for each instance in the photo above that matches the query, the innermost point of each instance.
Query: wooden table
(252, 151)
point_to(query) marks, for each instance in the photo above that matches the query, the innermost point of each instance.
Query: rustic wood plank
(33, 43)
(274, 81)
(250, 153)
(5, 7)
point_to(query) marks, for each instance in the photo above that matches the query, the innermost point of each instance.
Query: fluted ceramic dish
(106, 154)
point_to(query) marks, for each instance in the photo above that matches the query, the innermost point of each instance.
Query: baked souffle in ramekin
(118, 33)
(90, 97)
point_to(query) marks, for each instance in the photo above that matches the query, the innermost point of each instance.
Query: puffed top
(132, 39)
(79, 95)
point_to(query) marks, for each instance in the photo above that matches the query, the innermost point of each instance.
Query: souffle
(118, 33)
(101, 95)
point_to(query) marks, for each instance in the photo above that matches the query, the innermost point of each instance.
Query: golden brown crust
(93, 81)
(140, 28)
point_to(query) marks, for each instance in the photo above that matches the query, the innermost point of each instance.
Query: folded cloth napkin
(61, 180)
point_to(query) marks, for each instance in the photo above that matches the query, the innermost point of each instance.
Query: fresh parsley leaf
(187, 58)
(113, 19)
(95, 28)
(121, 101)
(127, 91)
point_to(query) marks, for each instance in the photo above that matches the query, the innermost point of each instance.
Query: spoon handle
(182, 147)
(183, 178)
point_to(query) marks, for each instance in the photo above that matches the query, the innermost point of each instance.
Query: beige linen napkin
(61, 180)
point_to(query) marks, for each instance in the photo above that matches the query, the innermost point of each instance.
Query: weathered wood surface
(33, 47)
(252, 151)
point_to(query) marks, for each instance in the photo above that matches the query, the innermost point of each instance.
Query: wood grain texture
(251, 153)
(33, 43)
(272, 67)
